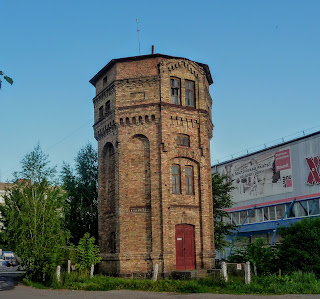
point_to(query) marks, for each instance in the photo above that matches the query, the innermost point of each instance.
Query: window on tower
(105, 80)
(176, 179)
(175, 91)
(189, 179)
(100, 112)
(183, 139)
(107, 107)
(189, 86)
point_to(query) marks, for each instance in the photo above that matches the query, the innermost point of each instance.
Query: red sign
(313, 176)
(282, 160)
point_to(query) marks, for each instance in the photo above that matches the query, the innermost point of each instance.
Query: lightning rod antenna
(138, 34)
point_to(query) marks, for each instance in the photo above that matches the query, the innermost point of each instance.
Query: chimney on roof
(152, 49)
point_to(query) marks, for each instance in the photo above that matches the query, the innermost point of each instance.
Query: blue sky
(263, 55)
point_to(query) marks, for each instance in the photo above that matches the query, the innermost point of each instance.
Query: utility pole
(138, 35)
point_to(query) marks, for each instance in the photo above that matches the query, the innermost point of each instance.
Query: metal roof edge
(266, 149)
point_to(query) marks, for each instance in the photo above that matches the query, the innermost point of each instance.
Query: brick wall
(137, 144)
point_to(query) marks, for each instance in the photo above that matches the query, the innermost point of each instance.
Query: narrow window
(176, 179)
(101, 112)
(107, 107)
(183, 140)
(259, 215)
(243, 215)
(279, 211)
(314, 206)
(235, 218)
(175, 91)
(251, 218)
(266, 214)
(105, 80)
(272, 211)
(190, 94)
(189, 180)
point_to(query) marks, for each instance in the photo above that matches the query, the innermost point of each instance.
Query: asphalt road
(24, 292)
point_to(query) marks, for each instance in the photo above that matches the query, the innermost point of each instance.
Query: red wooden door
(185, 255)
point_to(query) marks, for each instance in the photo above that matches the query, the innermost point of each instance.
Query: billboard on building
(267, 174)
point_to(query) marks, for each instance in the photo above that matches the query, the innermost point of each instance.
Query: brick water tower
(153, 126)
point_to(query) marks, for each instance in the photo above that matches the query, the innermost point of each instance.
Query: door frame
(181, 253)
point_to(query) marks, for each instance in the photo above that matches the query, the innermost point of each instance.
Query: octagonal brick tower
(153, 126)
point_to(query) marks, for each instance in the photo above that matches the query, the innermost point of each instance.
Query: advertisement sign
(263, 175)
(314, 176)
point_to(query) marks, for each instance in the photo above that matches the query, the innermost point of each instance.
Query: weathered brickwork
(136, 127)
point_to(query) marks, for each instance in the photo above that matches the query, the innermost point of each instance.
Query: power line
(63, 139)
(264, 145)
(138, 35)
(58, 142)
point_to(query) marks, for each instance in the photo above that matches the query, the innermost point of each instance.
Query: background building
(2, 192)
(153, 127)
(3, 188)
(269, 181)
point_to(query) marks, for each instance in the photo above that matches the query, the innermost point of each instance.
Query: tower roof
(95, 78)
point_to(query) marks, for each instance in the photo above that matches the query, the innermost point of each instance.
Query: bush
(87, 253)
(300, 247)
(260, 255)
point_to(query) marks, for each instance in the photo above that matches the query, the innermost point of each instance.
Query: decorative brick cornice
(138, 106)
(190, 66)
(107, 92)
(133, 83)
(102, 131)
(163, 104)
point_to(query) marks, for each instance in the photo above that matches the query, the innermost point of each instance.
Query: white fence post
(58, 273)
(247, 273)
(69, 266)
(155, 273)
(224, 270)
(91, 270)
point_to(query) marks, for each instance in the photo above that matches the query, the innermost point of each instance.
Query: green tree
(221, 196)
(262, 257)
(5, 77)
(33, 218)
(35, 167)
(260, 254)
(81, 186)
(87, 253)
(299, 248)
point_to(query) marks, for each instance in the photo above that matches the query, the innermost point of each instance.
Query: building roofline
(95, 78)
(266, 149)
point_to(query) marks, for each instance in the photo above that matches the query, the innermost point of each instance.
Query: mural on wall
(259, 176)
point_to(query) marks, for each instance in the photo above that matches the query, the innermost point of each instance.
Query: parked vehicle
(8, 259)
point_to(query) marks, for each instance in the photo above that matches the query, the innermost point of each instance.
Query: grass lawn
(297, 283)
